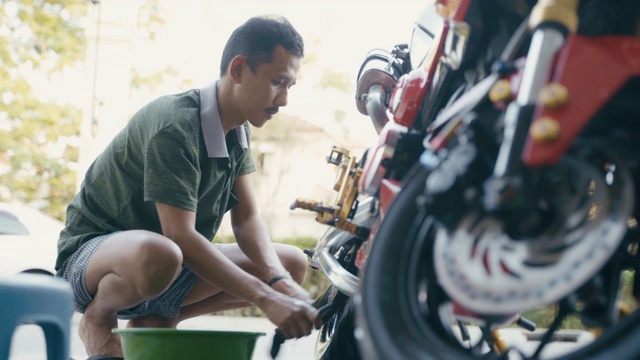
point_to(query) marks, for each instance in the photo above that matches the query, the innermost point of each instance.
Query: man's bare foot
(97, 337)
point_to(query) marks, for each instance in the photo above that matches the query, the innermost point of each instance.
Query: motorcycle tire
(387, 333)
(335, 338)
(393, 324)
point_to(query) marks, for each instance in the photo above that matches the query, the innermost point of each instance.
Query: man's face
(266, 90)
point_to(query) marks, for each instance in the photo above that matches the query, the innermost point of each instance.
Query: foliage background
(37, 152)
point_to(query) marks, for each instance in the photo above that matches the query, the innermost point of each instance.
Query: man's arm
(253, 238)
(204, 259)
(214, 267)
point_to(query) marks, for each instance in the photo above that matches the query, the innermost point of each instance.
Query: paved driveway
(28, 342)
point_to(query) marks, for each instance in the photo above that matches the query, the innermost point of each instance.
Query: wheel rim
(328, 328)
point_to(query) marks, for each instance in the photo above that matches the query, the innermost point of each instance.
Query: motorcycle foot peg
(309, 252)
(526, 323)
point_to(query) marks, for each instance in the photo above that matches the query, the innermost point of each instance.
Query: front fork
(551, 21)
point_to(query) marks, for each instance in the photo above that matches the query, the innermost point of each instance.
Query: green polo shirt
(173, 151)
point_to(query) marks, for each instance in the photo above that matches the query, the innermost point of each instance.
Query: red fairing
(592, 70)
(411, 90)
(389, 189)
(409, 93)
(373, 171)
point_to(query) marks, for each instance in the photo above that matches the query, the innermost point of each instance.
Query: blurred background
(73, 72)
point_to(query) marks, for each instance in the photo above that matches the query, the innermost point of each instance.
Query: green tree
(150, 19)
(37, 150)
(337, 80)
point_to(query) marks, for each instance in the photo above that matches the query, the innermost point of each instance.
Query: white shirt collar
(212, 124)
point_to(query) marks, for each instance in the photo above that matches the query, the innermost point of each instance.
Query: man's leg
(127, 269)
(206, 299)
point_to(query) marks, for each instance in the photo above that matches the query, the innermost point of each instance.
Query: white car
(28, 240)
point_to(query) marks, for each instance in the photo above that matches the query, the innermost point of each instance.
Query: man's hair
(257, 39)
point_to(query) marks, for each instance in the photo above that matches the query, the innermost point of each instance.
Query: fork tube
(544, 45)
(551, 20)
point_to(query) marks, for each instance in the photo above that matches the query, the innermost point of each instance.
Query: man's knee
(159, 263)
(295, 261)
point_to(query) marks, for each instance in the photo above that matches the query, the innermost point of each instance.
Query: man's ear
(236, 67)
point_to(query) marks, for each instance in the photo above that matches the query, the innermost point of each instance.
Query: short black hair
(257, 39)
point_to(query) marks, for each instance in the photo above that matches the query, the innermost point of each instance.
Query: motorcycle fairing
(407, 96)
(374, 169)
(611, 62)
(389, 188)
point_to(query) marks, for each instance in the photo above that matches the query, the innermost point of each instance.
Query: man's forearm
(254, 240)
(218, 270)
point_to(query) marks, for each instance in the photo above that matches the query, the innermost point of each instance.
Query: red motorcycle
(510, 184)
(356, 212)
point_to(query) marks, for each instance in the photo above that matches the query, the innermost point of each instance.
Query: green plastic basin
(172, 344)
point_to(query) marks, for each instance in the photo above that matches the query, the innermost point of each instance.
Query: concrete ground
(28, 341)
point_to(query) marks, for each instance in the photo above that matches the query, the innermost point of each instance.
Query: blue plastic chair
(36, 299)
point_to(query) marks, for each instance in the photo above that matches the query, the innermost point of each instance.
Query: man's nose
(281, 98)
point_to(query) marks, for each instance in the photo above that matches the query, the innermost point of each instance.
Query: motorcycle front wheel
(335, 338)
(403, 313)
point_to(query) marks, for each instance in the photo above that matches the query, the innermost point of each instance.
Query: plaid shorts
(166, 304)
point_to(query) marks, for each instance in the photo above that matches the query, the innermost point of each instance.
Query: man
(137, 242)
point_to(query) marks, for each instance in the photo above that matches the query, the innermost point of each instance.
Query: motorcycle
(367, 187)
(524, 192)
(356, 212)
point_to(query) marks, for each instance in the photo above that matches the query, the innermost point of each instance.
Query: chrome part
(487, 272)
(377, 77)
(337, 235)
(510, 126)
(374, 76)
(324, 253)
(375, 101)
(363, 217)
(545, 44)
(339, 277)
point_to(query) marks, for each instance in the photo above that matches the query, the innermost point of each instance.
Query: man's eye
(278, 83)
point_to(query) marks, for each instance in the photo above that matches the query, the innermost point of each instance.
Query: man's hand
(296, 318)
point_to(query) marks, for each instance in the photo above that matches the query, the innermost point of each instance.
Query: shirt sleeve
(171, 171)
(247, 166)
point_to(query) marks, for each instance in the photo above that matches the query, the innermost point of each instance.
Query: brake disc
(488, 272)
